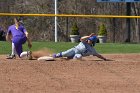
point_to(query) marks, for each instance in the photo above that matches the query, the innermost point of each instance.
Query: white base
(45, 58)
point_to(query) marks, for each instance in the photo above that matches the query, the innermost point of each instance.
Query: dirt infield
(91, 75)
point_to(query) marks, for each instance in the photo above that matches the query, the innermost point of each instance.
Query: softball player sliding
(84, 48)
(18, 35)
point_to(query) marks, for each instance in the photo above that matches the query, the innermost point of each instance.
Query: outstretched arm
(101, 57)
(84, 38)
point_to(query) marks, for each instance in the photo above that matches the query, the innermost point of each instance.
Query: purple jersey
(18, 37)
(20, 32)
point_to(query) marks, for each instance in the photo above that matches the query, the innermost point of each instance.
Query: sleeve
(94, 52)
(9, 30)
(24, 29)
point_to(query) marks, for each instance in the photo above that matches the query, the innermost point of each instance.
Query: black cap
(19, 19)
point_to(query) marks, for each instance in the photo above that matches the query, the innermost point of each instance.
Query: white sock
(23, 54)
(13, 49)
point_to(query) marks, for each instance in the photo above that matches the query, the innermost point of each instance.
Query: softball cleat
(11, 56)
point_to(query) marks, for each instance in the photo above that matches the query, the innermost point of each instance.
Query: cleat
(54, 56)
(11, 57)
(57, 55)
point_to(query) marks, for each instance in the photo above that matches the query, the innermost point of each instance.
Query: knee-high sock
(13, 49)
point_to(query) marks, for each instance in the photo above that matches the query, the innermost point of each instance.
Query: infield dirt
(91, 75)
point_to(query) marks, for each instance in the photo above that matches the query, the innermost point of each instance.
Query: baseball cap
(93, 38)
(20, 20)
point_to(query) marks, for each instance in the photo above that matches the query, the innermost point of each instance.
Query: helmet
(93, 39)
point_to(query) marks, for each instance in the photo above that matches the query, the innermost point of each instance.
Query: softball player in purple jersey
(84, 48)
(18, 35)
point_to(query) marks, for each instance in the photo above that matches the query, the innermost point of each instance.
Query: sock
(13, 49)
(59, 54)
(23, 54)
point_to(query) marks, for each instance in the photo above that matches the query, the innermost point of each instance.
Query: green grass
(118, 48)
(5, 47)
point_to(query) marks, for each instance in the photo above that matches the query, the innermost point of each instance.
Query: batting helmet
(93, 38)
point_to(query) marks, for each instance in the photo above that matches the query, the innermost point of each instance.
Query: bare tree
(42, 28)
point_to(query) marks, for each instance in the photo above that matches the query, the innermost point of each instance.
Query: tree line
(42, 28)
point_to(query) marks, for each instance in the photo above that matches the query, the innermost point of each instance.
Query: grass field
(105, 48)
